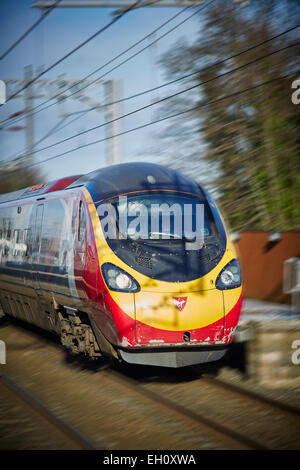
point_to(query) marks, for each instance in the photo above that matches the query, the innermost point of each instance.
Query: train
(118, 264)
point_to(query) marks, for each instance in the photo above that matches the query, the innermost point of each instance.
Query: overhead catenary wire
(155, 41)
(75, 49)
(220, 62)
(41, 107)
(82, 113)
(11, 116)
(202, 69)
(24, 35)
(228, 72)
(55, 128)
(136, 53)
(58, 128)
(194, 108)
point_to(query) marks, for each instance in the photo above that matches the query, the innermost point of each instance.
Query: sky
(61, 31)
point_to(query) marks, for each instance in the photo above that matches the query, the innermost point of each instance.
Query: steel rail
(240, 391)
(223, 433)
(218, 430)
(73, 434)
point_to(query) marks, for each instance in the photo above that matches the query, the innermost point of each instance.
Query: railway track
(218, 431)
(250, 394)
(155, 411)
(233, 404)
(80, 440)
(223, 433)
(226, 435)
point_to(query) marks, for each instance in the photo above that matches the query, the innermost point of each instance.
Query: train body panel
(54, 255)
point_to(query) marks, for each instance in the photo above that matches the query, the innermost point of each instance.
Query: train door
(36, 304)
(36, 255)
(80, 248)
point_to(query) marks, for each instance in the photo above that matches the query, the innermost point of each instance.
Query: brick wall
(262, 263)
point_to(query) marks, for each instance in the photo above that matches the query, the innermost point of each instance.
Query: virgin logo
(180, 302)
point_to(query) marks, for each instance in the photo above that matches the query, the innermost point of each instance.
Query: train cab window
(82, 222)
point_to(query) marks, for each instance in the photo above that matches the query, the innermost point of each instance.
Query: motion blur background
(211, 89)
(205, 88)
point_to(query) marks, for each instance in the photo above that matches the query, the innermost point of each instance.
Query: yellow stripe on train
(154, 304)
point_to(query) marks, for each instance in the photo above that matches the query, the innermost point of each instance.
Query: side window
(27, 242)
(82, 222)
(16, 238)
(7, 243)
(54, 235)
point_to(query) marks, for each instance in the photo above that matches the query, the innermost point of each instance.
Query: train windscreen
(163, 216)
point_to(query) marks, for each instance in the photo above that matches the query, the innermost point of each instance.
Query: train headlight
(230, 276)
(117, 279)
(123, 281)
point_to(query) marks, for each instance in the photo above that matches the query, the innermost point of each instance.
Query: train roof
(114, 180)
(132, 177)
(38, 189)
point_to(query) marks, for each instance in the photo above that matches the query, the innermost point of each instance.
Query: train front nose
(179, 317)
(177, 329)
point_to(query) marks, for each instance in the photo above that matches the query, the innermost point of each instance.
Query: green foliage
(18, 178)
(252, 140)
